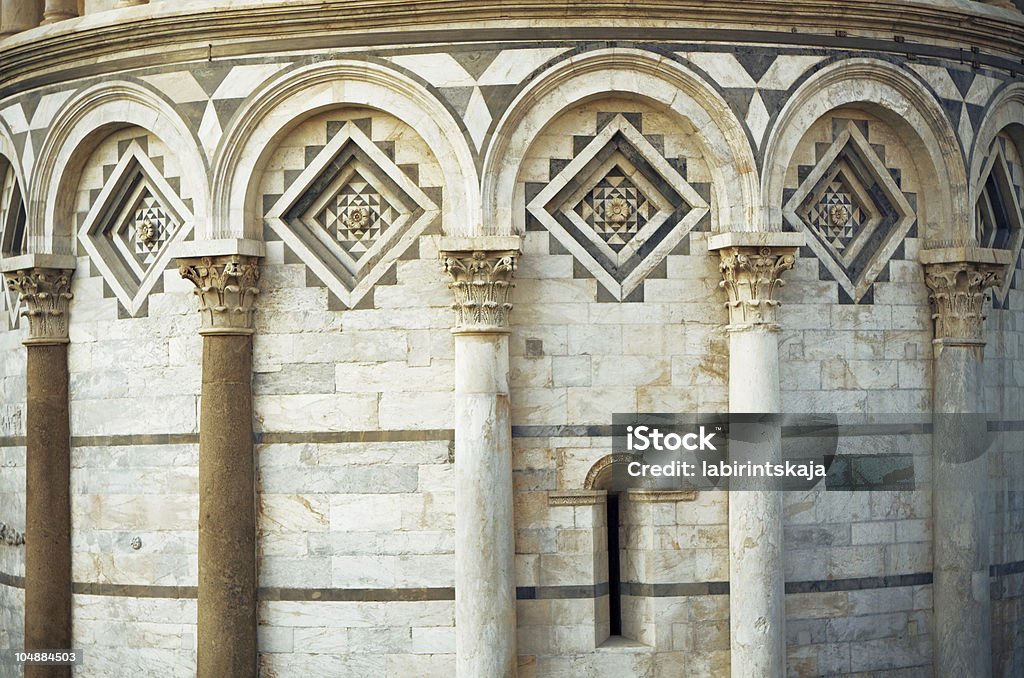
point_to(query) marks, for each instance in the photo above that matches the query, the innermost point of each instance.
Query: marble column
(751, 268)
(961, 496)
(59, 10)
(45, 293)
(227, 290)
(19, 15)
(481, 273)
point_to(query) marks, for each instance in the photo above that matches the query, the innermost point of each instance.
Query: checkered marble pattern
(129, 210)
(150, 228)
(850, 194)
(616, 209)
(836, 216)
(357, 216)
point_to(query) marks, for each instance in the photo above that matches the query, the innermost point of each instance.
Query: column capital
(227, 287)
(46, 293)
(750, 276)
(480, 280)
(957, 291)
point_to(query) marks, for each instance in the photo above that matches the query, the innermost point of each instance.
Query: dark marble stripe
(859, 583)
(357, 595)
(395, 436)
(1006, 569)
(12, 580)
(136, 440)
(12, 441)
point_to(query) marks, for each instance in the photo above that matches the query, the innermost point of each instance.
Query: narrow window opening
(614, 571)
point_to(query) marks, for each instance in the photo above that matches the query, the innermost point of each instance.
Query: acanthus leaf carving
(957, 292)
(45, 293)
(227, 288)
(481, 281)
(750, 276)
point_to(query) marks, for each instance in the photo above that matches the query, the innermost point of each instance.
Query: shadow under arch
(77, 129)
(894, 96)
(616, 72)
(271, 113)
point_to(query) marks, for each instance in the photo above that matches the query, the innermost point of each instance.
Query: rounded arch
(10, 161)
(9, 155)
(1006, 112)
(599, 477)
(632, 72)
(78, 128)
(894, 96)
(270, 114)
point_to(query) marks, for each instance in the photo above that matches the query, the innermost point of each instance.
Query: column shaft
(485, 588)
(45, 294)
(58, 10)
(961, 498)
(484, 540)
(19, 15)
(757, 602)
(961, 516)
(47, 507)
(227, 511)
(226, 287)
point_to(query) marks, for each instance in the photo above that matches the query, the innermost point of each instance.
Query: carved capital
(45, 293)
(750, 276)
(957, 294)
(227, 288)
(481, 280)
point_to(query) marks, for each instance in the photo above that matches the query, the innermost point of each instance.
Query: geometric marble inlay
(350, 214)
(131, 225)
(998, 212)
(853, 209)
(12, 236)
(619, 207)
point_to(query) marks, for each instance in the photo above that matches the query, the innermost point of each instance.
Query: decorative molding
(11, 536)
(750, 276)
(45, 292)
(958, 291)
(481, 280)
(227, 289)
(660, 496)
(576, 497)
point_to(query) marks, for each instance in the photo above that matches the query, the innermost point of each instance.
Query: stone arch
(269, 115)
(897, 98)
(9, 161)
(1005, 113)
(616, 72)
(80, 126)
(599, 476)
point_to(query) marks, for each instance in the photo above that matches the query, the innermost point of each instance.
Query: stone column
(18, 15)
(485, 603)
(58, 10)
(226, 287)
(751, 267)
(45, 293)
(961, 496)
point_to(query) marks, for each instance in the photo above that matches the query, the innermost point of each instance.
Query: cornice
(172, 32)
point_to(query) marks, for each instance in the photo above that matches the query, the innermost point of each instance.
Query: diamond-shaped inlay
(129, 229)
(616, 209)
(619, 207)
(351, 213)
(998, 212)
(357, 216)
(854, 210)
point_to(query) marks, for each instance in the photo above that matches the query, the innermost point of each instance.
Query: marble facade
(432, 252)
